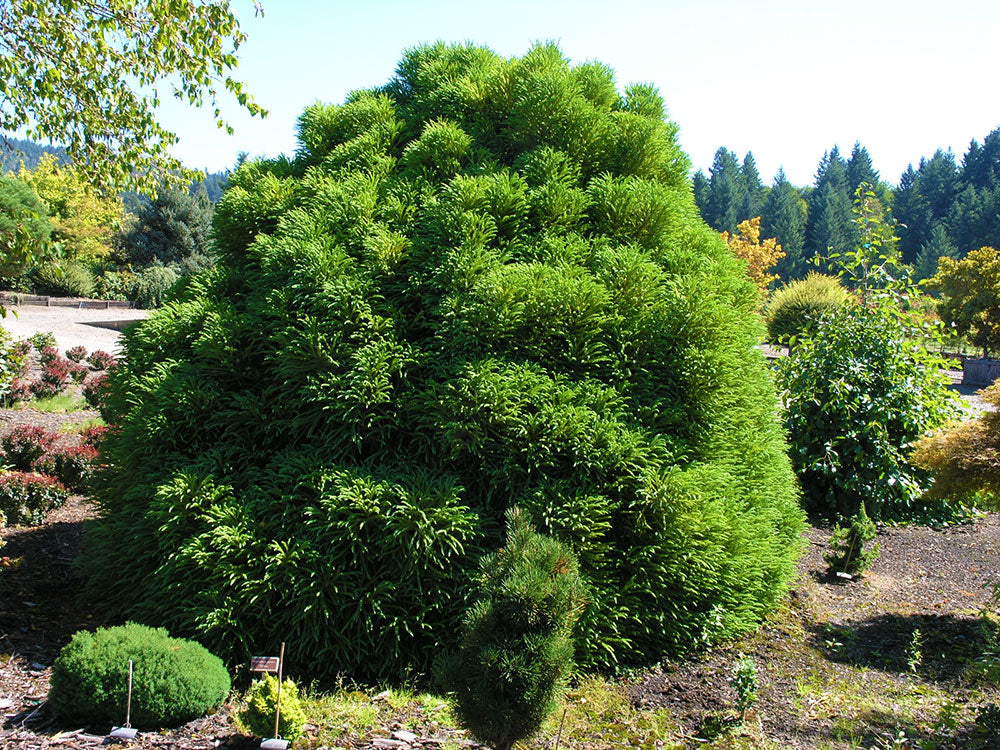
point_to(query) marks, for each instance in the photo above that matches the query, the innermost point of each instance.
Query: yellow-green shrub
(794, 307)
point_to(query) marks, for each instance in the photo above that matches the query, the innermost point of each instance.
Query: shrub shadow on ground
(945, 646)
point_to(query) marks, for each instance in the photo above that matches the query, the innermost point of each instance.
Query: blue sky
(787, 80)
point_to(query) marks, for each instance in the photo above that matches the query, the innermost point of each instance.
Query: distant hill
(13, 151)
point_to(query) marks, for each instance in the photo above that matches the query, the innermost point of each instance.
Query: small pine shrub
(517, 650)
(795, 307)
(100, 360)
(257, 713)
(23, 445)
(965, 457)
(849, 550)
(76, 354)
(26, 497)
(70, 464)
(174, 680)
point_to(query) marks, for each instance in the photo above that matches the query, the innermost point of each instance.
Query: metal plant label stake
(126, 732)
(272, 664)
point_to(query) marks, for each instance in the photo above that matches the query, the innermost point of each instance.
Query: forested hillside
(944, 206)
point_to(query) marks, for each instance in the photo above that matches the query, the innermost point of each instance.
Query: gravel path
(71, 326)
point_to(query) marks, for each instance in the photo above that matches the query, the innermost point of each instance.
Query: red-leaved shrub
(101, 360)
(25, 444)
(26, 497)
(76, 353)
(93, 389)
(48, 354)
(70, 464)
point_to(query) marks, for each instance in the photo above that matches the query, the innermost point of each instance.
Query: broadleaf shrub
(860, 388)
(174, 680)
(485, 284)
(76, 353)
(100, 360)
(27, 497)
(802, 303)
(517, 648)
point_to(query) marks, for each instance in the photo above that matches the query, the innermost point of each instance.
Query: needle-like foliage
(484, 284)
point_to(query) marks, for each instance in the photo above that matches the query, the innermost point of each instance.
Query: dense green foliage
(173, 681)
(259, 709)
(943, 207)
(517, 648)
(970, 297)
(801, 304)
(850, 551)
(24, 225)
(483, 285)
(859, 389)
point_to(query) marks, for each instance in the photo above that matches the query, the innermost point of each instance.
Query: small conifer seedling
(849, 553)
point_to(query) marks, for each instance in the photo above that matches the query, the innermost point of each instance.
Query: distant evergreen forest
(13, 151)
(943, 207)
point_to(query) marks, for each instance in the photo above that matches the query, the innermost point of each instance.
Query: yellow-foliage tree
(83, 221)
(760, 256)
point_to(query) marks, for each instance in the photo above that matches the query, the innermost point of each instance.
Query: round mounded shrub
(261, 701)
(485, 284)
(799, 304)
(174, 680)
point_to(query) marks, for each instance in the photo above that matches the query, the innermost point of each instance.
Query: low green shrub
(794, 307)
(152, 285)
(26, 497)
(42, 340)
(257, 713)
(68, 279)
(517, 652)
(174, 680)
(116, 284)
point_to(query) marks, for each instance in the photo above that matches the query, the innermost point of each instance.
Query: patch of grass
(599, 713)
(74, 428)
(59, 404)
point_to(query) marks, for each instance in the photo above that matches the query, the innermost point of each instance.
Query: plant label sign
(264, 664)
(274, 745)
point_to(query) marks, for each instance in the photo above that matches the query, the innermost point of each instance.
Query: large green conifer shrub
(483, 285)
